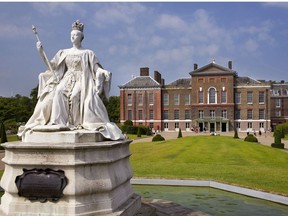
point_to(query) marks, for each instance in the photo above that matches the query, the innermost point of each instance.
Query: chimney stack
(195, 66)
(157, 76)
(230, 65)
(144, 71)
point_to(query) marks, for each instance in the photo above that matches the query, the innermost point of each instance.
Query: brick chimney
(144, 71)
(157, 76)
(230, 65)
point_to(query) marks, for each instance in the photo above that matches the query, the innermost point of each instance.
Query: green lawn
(218, 158)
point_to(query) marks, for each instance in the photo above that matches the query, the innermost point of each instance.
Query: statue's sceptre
(44, 54)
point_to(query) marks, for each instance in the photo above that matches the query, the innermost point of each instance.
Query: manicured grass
(218, 158)
(12, 138)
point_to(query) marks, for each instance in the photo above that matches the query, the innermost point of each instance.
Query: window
(238, 114)
(129, 114)
(238, 98)
(187, 124)
(249, 125)
(224, 114)
(278, 102)
(140, 115)
(176, 114)
(249, 114)
(151, 99)
(200, 97)
(201, 114)
(212, 114)
(166, 125)
(261, 114)
(261, 125)
(176, 125)
(261, 97)
(249, 97)
(151, 125)
(140, 100)
(187, 99)
(187, 114)
(176, 99)
(166, 99)
(278, 113)
(165, 114)
(151, 114)
(129, 100)
(223, 97)
(238, 125)
(212, 96)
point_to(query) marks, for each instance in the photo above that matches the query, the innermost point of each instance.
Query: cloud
(171, 22)
(11, 30)
(118, 13)
(251, 45)
(56, 9)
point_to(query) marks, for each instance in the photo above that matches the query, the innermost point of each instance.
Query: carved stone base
(98, 175)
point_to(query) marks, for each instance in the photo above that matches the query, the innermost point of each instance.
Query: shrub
(158, 137)
(236, 134)
(250, 138)
(128, 123)
(148, 131)
(139, 132)
(179, 133)
(277, 138)
(280, 146)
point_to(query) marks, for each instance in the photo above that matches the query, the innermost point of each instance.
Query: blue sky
(165, 36)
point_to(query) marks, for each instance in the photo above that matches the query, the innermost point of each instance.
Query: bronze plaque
(41, 184)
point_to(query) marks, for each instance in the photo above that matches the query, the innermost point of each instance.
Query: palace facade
(214, 99)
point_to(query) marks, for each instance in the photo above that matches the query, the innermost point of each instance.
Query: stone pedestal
(98, 175)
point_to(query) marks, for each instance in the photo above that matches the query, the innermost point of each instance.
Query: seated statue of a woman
(69, 96)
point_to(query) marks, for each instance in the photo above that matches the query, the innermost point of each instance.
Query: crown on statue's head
(77, 25)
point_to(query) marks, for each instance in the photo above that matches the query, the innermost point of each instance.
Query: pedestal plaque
(41, 185)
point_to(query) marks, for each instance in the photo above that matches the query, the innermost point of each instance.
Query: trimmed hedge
(277, 145)
(250, 138)
(158, 137)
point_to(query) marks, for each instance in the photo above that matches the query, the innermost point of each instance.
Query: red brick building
(214, 98)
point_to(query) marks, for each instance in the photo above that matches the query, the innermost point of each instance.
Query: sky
(168, 37)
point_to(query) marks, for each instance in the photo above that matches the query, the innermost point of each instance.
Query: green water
(212, 201)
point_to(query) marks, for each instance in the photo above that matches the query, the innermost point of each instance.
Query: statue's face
(76, 36)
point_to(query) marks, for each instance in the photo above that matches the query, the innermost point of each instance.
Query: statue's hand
(39, 46)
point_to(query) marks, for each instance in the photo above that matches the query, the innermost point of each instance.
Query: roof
(140, 82)
(212, 69)
(246, 80)
(181, 82)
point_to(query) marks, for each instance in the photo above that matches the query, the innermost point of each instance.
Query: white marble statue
(69, 92)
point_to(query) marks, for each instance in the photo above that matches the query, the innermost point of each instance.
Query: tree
(3, 133)
(113, 109)
(139, 132)
(179, 133)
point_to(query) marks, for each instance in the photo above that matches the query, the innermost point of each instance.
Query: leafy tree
(3, 133)
(33, 96)
(113, 109)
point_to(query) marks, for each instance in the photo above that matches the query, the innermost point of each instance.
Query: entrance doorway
(201, 126)
(224, 127)
(212, 127)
